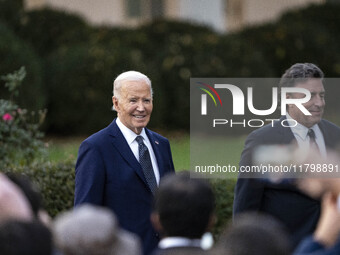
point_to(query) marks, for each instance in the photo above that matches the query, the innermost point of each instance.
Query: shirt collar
(128, 134)
(170, 242)
(300, 130)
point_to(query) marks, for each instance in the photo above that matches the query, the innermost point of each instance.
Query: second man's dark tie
(145, 161)
(312, 142)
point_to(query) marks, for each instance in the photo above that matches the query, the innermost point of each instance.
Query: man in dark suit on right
(298, 212)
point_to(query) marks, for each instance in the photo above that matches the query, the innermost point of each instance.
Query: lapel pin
(156, 142)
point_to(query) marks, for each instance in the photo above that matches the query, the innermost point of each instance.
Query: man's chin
(314, 120)
(140, 125)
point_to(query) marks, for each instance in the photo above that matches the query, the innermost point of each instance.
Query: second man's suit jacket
(298, 212)
(108, 174)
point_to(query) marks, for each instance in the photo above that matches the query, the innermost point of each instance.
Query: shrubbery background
(71, 65)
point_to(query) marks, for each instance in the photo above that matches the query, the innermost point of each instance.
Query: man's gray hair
(129, 76)
(300, 72)
(92, 230)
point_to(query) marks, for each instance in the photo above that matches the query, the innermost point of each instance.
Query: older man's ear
(115, 103)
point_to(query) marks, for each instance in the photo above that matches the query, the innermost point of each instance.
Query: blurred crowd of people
(26, 228)
(183, 212)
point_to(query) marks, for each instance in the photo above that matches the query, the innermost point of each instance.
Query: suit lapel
(119, 142)
(329, 142)
(286, 133)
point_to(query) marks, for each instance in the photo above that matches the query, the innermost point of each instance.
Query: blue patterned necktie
(145, 162)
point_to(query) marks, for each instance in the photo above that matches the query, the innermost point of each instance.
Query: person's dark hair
(185, 205)
(300, 72)
(29, 189)
(25, 238)
(253, 233)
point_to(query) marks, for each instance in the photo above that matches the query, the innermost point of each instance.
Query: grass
(211, 153)
(60, 149)
(67, 148)
(180, 148)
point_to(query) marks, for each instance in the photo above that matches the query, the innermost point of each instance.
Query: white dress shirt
(301, 134)
(130, 138)
(171, 242)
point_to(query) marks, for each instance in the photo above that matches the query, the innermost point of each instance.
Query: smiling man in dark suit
(120, 166)
(298, 212)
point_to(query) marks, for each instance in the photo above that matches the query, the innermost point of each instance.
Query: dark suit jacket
(310, 246)
(108, 174)
(298, 212)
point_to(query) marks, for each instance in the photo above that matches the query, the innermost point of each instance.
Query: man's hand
(328, 228)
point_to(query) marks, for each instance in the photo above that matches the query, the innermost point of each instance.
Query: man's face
(315, 105)
(134, 106)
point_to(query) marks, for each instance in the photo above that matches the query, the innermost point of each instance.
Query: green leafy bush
(80, 61)
(22, 151)
(305, 35)
(48, 30)
(19, 129)
(176, 51)
(55, 181)
(168, 52)
(80, 90)
(12, 13)
(224, 195)
(15, 53)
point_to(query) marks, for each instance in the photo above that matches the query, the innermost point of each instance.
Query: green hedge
(56, 182)
(80, 61)
(48, 30)
(84, 80)
(305, 35)
(80, 89)
(12, 13)
(171, 52)
(224, 195)
(15, 53)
